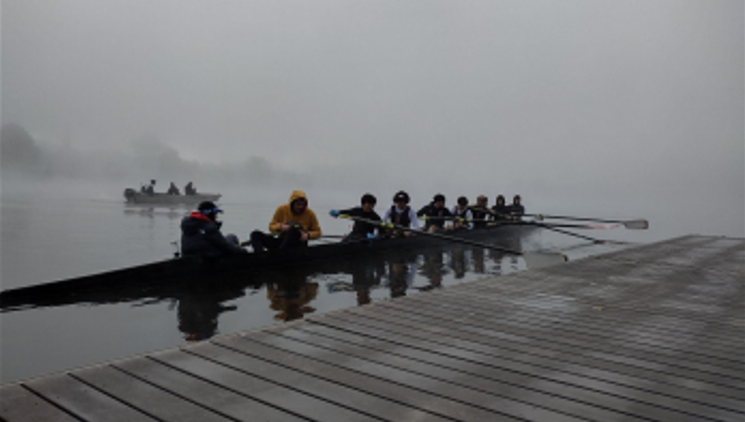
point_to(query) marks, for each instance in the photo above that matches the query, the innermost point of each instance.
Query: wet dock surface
(655, 332)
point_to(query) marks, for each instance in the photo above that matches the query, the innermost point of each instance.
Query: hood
(297, 194)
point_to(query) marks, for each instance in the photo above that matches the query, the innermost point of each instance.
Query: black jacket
(201, 236)
(360, 228)
(431, 211)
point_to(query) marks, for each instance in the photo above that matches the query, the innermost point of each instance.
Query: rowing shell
(205, 271)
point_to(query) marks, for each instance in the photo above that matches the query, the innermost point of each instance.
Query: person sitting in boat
(294, 223)
(361, 230)
(401, 214)
(189, 189)
(435, 214)
(480, 211)
(201, 236)
(462, 214)
(173, 190)
(500, 211)
(517, 209)
(150, 189)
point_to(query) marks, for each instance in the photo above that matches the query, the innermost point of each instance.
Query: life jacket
(401, 219)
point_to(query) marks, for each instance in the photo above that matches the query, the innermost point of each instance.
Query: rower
(480, 211)
(462, 214)
(201, 236)
(435, 213)
(361, 230)
(500, 211)
(173, 190)
(401, 214)
(517, 209)
(294, 223)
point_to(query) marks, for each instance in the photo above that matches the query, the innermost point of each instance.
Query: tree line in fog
(23, 157)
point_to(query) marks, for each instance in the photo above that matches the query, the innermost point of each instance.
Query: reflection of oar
(640, 224)
(553, 257)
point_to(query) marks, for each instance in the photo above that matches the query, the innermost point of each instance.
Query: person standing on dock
(435, 213)
(360, 230)
(201, 236)
(401, 214)
(294, 223)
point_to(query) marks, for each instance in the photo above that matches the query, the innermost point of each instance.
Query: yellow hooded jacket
(307, 219)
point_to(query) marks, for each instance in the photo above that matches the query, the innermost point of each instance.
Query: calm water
(49, 236)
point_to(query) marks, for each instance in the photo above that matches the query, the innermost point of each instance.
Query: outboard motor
(130, 194)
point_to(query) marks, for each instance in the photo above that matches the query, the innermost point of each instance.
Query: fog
(577, 102)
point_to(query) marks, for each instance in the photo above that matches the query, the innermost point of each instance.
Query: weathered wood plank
(324, 389)
(20, 405)
(498, 404)
(141, 395)
(550, 380)
(226, 402)
(260, 389)
(444, 406)
(84, 401)
(515, 348)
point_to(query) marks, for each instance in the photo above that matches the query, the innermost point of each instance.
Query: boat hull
(135, 197)
(186, 270)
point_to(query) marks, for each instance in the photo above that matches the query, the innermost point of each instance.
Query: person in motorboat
(293, 223)
(435, 214)
(361, 230)
(500, 211)
(189, 189)
(462, 214)
(150, 189)
(173, 190)
(480, 211)
(401, 214)
(517, 209)
(201, 236)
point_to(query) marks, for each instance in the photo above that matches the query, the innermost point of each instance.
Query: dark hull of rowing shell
(179, 271)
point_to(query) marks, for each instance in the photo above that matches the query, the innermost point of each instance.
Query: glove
(334, 213)
(371, 236)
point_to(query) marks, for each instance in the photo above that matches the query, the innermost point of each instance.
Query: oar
(519, 222)
(541, 256)
(639, 224)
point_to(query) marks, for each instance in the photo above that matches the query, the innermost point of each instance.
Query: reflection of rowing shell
(165, 199)
(196, 270)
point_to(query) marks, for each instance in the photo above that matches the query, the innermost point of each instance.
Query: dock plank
(228, 403)
(20, 405)
(83, 401)
(146, 397)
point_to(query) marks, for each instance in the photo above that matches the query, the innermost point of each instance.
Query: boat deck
(654, 332)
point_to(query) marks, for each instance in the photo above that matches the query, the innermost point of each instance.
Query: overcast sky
(598, 94)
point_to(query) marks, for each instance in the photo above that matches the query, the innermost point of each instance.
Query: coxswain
(517, 209)
(462, 213)
(435, 214)
(480, 211)
(361, 230)
(201, 236)
(173, 190)
(401, 214)
(294, 224)
(500, 211)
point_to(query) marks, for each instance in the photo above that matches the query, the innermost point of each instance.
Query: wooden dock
(652, 333)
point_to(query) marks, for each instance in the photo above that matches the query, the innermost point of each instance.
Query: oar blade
(636, 224)
(535, 260)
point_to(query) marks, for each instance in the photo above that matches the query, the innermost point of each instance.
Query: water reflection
(199, 308)
(290, 298)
